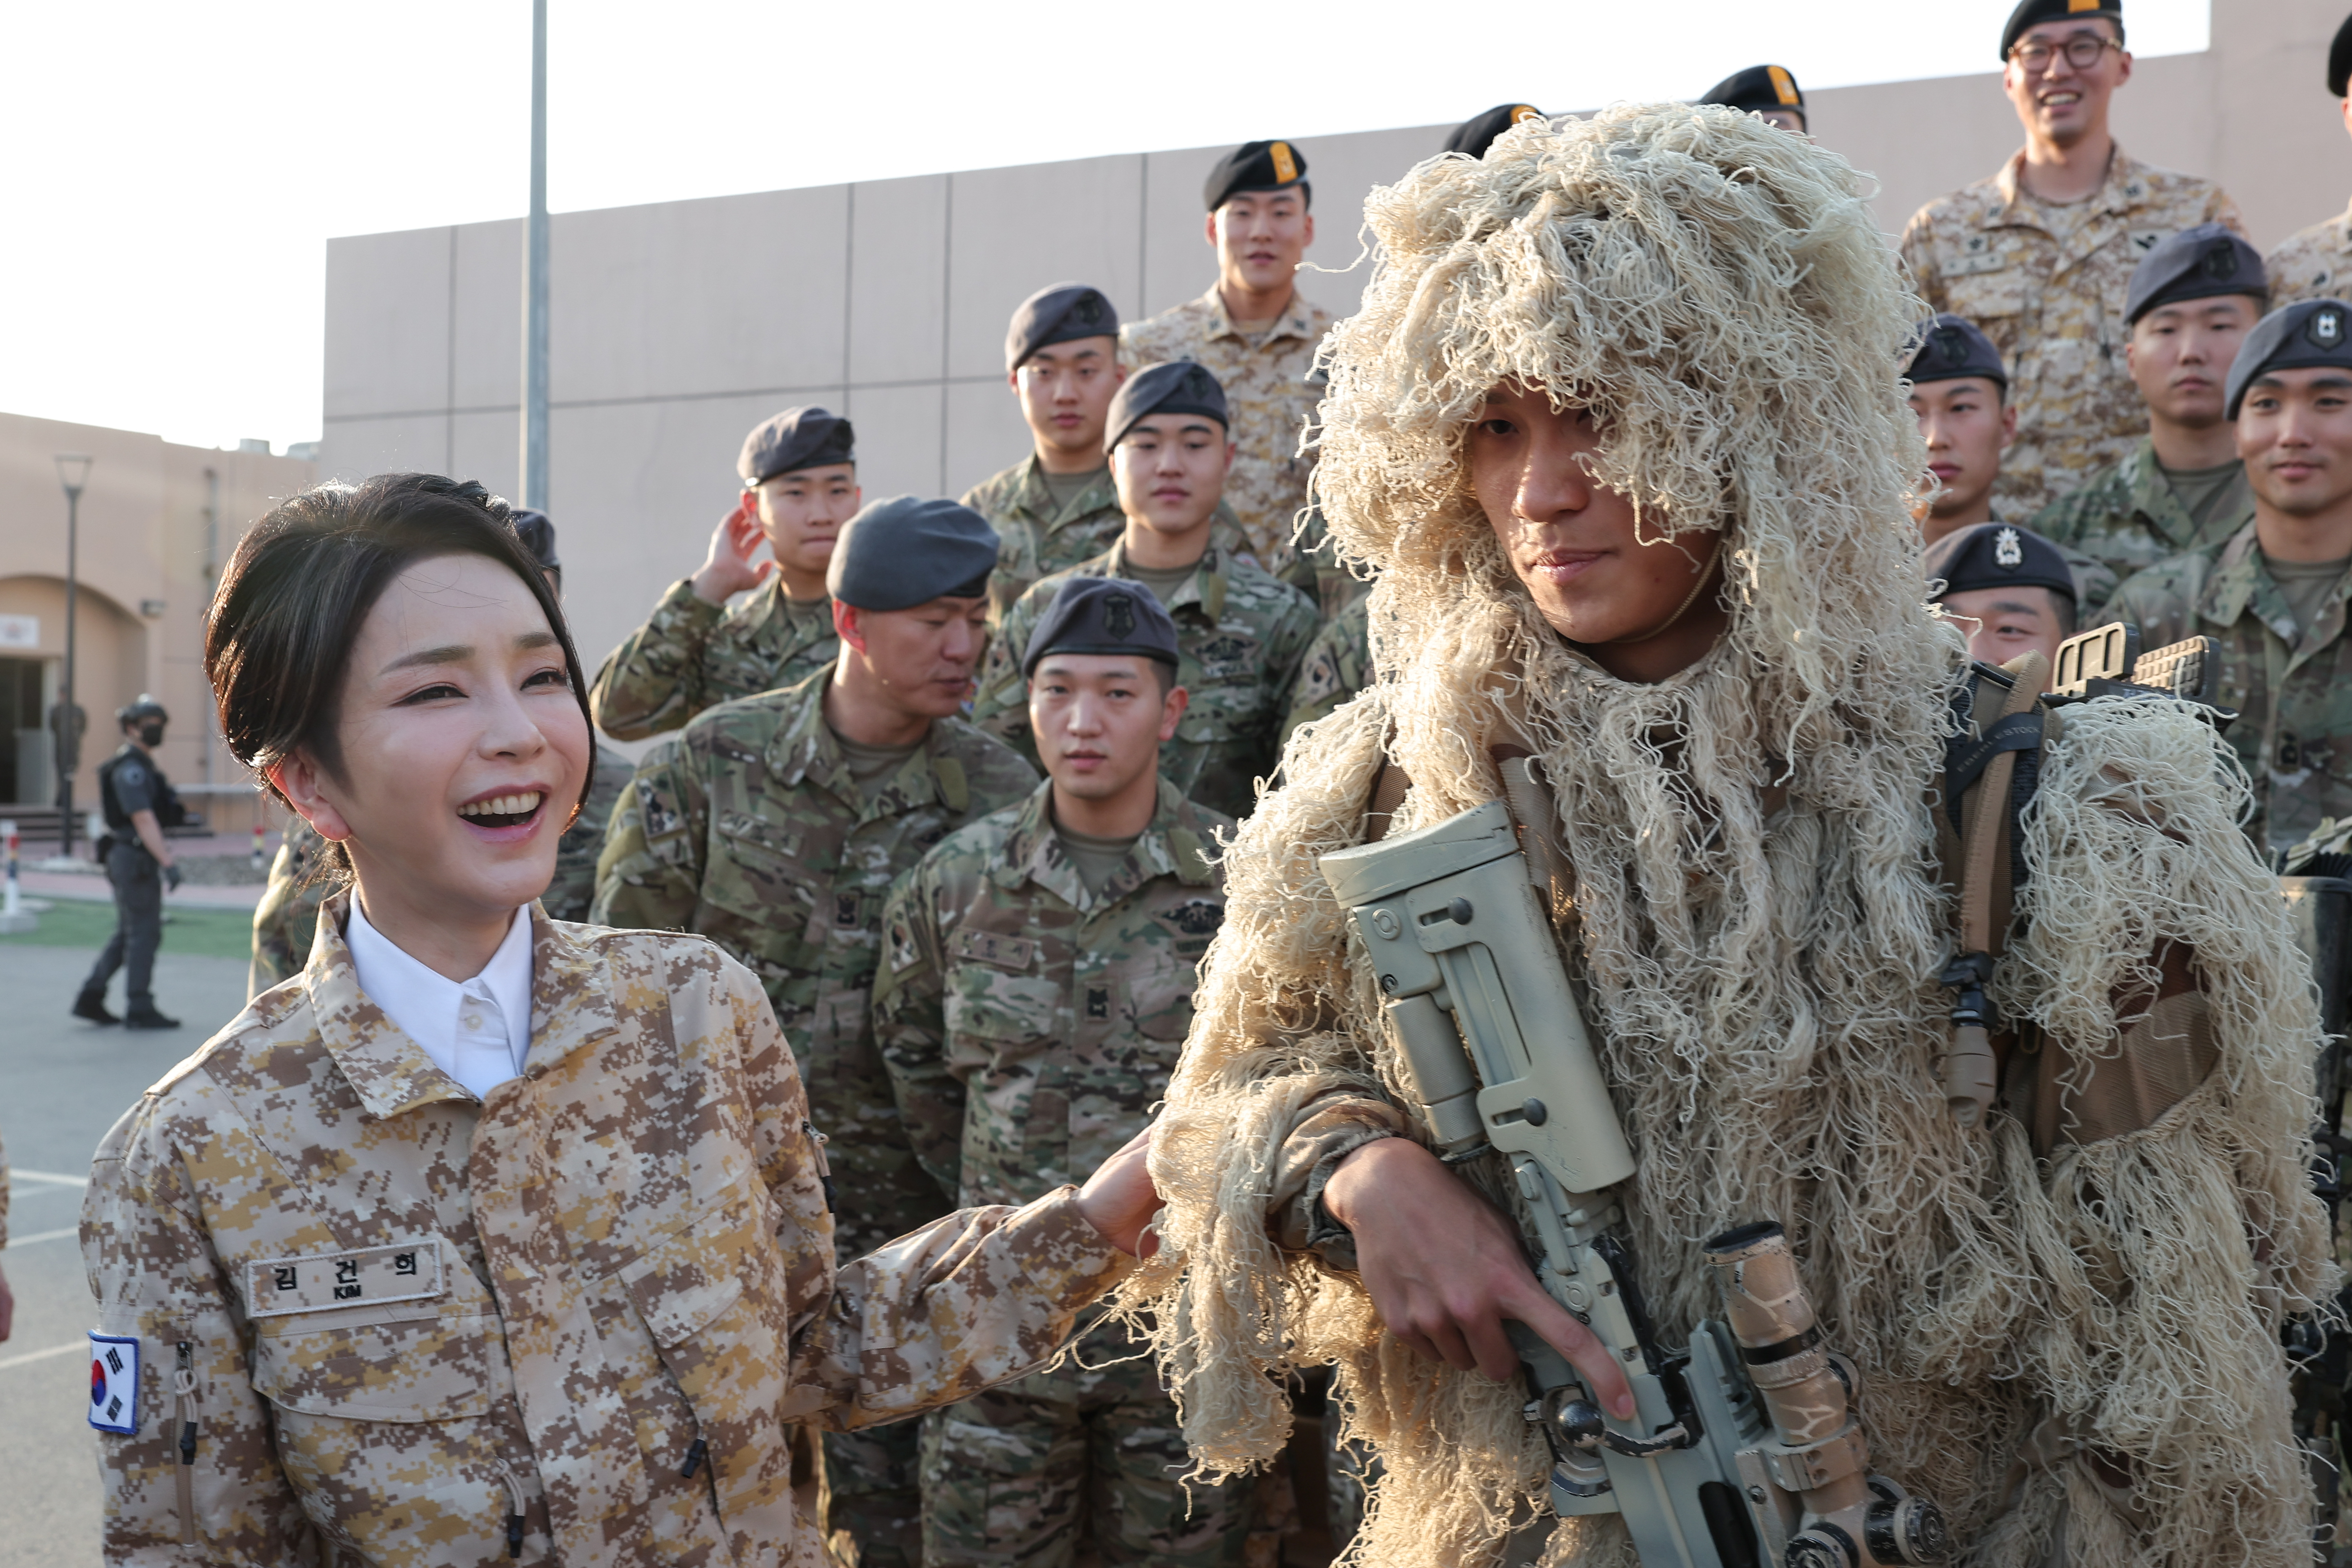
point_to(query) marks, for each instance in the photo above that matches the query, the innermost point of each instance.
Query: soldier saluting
(138, 804)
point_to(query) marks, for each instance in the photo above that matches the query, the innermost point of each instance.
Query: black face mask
(151, 733)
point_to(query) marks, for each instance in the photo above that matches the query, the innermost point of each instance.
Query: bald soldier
(2316, 262)
(702, 647)
(1769, 92)
(774, 825)
(2040, 255)
(1254, 333)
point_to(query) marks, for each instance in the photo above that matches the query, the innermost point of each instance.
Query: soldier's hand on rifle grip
(1445, 1270)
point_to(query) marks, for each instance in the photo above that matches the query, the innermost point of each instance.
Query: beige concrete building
(157, 522)
(679, 325)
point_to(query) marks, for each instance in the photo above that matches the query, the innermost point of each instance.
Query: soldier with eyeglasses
(2041, 253)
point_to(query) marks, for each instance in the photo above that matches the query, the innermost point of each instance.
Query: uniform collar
(1205, 588)
(1034, 498)
(770, 612)
(2242, 582)
(2153, 497)
(1297, 321)
(804, 748)
(2125, 186)
(572, 1004)
(1175, 844)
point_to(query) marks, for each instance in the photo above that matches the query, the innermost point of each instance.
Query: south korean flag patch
(114, 1384)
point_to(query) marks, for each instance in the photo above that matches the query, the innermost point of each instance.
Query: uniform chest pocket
(432, 1368)
(993, 1016)
(1995, 290)
(1229, 656)
(762, 871)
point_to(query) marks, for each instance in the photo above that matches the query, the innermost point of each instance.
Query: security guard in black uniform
(138, 804)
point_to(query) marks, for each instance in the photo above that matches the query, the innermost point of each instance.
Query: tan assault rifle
(1743, 1451)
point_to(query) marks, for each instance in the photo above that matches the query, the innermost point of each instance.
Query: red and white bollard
(13, 915)
(260, 859)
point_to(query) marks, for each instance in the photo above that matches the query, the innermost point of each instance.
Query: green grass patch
(77, 923)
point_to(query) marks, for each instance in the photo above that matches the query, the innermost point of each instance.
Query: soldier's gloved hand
(1445, 1268)
(1120, 1200)
(728, 570)
(172, 877)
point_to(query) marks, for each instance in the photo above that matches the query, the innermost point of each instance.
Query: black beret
(2195, 264)
(1996, 555)
(538, 536)
(1951, 347)
(796, 439)
(1473, 137)
(1758, 86)
(2292, 337)
(906, 550)
(2033, 13)
(1172, 386)
(1058, 314)
(2339, 59)
(1255, 166)
(1102, 614)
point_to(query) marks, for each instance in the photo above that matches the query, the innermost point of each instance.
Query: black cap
(2033, 13)
(1255, 166)
(1174, 386)
(2195, 264)
(1102, 614)
(538, 536)
(796, 439)
(2292, 337)
(2339, 59)
(1758, 86)
(1951, 347)
(906, 550)
(1473, 137)
(1058, 314)
(146, 707)
(1996, 555)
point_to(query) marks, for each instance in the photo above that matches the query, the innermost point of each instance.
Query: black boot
(91, 1004)
(148, 1019)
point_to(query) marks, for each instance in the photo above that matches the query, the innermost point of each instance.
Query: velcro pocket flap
(690, 1280)
(423, 1369)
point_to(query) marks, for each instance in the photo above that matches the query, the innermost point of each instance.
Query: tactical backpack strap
(1978, 828)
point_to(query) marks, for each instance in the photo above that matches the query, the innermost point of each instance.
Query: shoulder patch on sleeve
(114, 1382)
(904, 954)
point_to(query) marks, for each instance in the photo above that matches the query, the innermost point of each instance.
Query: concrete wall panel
(486, 329)
(985, 433)
(899, 438)
(387, 327)
(898, 279)
(354, 448)
(1013, 231)
(488, 448)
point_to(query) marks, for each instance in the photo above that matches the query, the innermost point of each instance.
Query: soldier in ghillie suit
(1619, 425)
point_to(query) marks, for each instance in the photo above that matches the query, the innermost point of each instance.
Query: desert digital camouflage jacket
(1338, 665)
(1267, 388)
(2130, 517)
(288, 915)
(394, 1314)
(1241, 634)
(691, 654)
(2292, 693)
(2056, 308)
(748, 829)
(2314, 263)
(1030, 1026)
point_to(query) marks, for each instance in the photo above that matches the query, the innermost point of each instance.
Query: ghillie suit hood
(1757, 923)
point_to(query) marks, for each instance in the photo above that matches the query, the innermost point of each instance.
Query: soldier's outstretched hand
(729, 569)
(1444, 1269)
(1120, 1200)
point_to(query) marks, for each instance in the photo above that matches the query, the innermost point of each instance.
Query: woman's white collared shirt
(477, 1032)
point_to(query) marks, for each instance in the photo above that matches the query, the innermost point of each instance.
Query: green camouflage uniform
(598, 1297)
(1241, 633)
(2130, 517)
(1313, 566)
(287, 913)
(1030, 1026)
(2314, 263)
(1338, 664)
(2048, 283)
(1267, 389)
(2292, 693)
(747, 828)
(691, 654)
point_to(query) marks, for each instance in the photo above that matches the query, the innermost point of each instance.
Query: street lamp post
(534, 327)
(73, 472)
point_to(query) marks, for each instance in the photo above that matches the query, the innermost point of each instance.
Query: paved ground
(62, 1085)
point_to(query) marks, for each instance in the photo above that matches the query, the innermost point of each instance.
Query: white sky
(174, 170)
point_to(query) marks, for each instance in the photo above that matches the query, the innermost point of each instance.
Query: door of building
(26, 772)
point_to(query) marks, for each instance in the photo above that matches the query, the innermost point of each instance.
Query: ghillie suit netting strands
(1757, 924)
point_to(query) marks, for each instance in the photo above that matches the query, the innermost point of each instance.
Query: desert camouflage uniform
(1036, 540)
(1030, 1026)
(597, 1297)
(747, 828)
(287, 915)
(1267, 388)
(2054, 307)
(1338, 664)
(1241, 633)
(2129, 518)
(2314, 263)
(691, 654)
(2292, 693)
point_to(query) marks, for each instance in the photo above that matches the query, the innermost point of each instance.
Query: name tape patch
(368, 1276)
(114, 1384)
(990, 947)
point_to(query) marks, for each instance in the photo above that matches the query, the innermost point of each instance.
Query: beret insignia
(1118, 614)
(2007, 550)
(2325, 328)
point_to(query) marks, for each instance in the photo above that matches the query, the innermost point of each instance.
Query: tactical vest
(169, 812)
